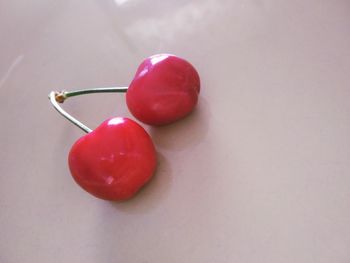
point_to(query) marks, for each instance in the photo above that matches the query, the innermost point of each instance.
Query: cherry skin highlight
(114, 161)
(165, 89)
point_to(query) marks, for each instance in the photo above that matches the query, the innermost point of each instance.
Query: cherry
(113, 161)
(165, 88)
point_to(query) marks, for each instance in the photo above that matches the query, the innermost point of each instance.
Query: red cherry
(114, 161)
(164, 89)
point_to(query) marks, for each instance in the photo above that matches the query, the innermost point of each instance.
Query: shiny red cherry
(164, 89)
(114, 161)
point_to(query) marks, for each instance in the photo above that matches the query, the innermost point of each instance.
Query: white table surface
(260, 172)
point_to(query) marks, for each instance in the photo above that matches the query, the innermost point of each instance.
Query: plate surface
(258, 173)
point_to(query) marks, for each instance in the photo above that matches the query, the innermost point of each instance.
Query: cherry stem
(56, 97)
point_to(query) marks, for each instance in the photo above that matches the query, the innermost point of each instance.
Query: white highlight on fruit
(115, 121)
(158, 58)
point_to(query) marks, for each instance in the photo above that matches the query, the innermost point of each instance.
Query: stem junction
(57, 97)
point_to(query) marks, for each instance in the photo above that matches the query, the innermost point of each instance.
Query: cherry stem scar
(57, 97)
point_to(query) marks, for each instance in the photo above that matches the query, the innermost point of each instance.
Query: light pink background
(260, 172)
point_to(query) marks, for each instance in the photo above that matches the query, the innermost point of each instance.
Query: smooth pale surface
(260, 172)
